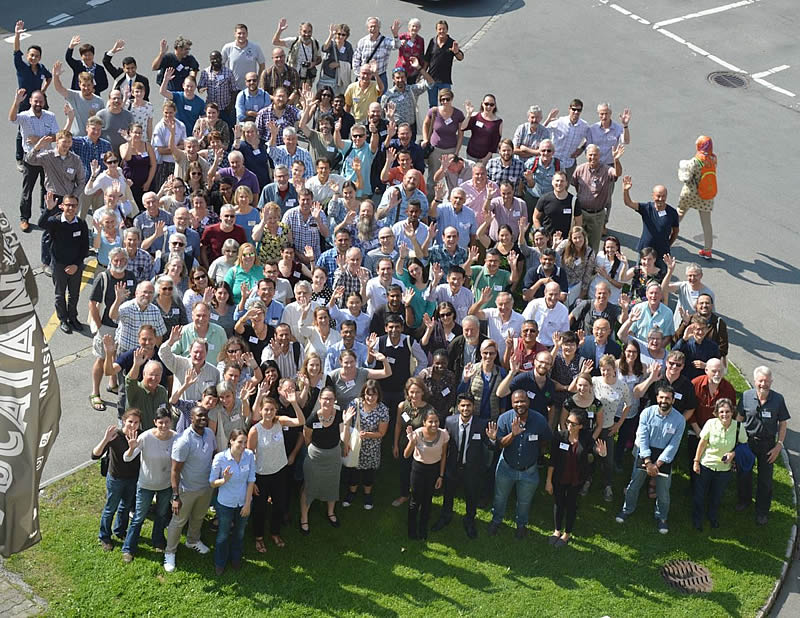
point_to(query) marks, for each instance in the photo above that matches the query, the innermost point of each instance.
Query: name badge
(330, 149)
(401, 97)
(564, 446)
(406, 417)
(445, 391)
(257, 151)
(669, 429)
(236, 417)
(532, 437)
(531, 395)
(253, 339)
(179, 68)
(356, 99)
(527, 365)
(145, 155)
(211, 346)
(130, 282)
(662, 213)
(350, 383)
(577, 261)
(512, 179)
(76, 234)
(296, 274)
(188, 108)
(476, 436)
(176, 311)
(517, 213)
(285, 428)
(497, 288)
(317, 425)
(448, 121)
(567, 211)
(273, 321)
(251, 223)
(276, 437)
(410, 43)
(590, 414)
(70, 170)
(214, 317)
(766, 414)
(678, 396)
(390, 359)
(479, 124)
(290, 202)
(286, 82)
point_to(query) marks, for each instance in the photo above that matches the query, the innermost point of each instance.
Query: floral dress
(369, 458)
(271, 244)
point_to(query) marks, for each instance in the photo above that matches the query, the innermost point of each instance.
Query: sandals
(304, 529)
(278, 540)
(97, 403)
(113, 389)
(260, 547)
(333, 521)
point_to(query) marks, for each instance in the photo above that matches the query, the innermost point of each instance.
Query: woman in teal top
(414, 278)
(245, 270)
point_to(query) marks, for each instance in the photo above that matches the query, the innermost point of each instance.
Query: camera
(305, 65)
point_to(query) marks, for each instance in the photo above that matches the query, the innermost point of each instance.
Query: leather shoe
(65, 328)
(521, 532)
(76, 325)
(440, 523)
(469, 528)
(25, 226)
(493, 528)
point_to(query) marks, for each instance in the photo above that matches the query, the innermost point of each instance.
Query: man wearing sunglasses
(570, 135)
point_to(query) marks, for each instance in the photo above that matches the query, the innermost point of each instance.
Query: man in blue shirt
(189, 107)
(660, 221)
(520, 432)
(657, 439)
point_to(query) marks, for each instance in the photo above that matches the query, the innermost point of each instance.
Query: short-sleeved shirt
(430, 452)
(358, 99)
(540, 397)
(321, 436)
(103, 292)
(84, 109)
(444, 133)
(657, 227)
(242, 60)
(182, 69)
(196, 452)
(189, 110)
(593, 186)
(498, 282)
(347, 390)
(234, 492)
(440, 60)
(719, 442)
(761, 420)
(557, 213)
(523, 451)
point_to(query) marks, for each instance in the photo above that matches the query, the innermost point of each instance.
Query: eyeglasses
(110, 161)
(251, 81)
(576, 109)
(674, 364)
(200, 277)
(166, 289)
(447, 314)
(529, 330)
(248, 255)
(341, 34)
(545, 150)
(354, 135)
(196, 173)
(234, 351)
(445, 99)
(573, 423)
(488, 104)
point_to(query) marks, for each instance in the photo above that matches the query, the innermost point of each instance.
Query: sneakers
(704, 254)
(199, 547)
(127, 557)
(585, 489)
(169, 562)
(608, 494)
(662, 527)
(106, 545)
(368, 502)
(621, 517)
(348, 499)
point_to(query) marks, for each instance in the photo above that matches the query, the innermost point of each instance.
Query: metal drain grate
(687, 576)
(728, 79)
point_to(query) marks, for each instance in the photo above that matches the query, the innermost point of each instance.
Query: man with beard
(400, 101)
(465, 349)
(34, 123)
(536, 383)
(219, 83)
(717, 328)
(365, 231)
(395, 202)
(507, 210)
(111, 288)
(308, 224)
(350, 274)
(393, 306)
(281, 191)
(192, 454)
(140, 262)
(387, 248)
(250, 99)
(304, 54)
(280, 112)
(340, 114)
(507, 166)
(519, 434)
(657, 441)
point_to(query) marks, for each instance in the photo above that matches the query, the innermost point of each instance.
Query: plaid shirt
(328, 261)
(30, 125)
(513, 173)
(141, 265)
(131, 318)
(405, 101)
(438, 254)
(524, 137)
(350, 282)
(304, 232)
(281, 156)
(219, 84)
(567, 137)
(89, 151)
(364, 50)
(289, 118)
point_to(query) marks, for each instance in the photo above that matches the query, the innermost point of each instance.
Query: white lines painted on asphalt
(10, 39)
(489, 23)
(658, 27)
(718, 9)
(97, 2)
(59, 19)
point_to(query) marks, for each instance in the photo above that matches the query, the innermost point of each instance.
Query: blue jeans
(638, 478)
(120, 497)
(713, 484)
(144, 497)
(525, 481)
(433, 93)
(230, 536)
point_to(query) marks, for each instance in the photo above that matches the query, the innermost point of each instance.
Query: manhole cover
(687, 576)
(728, 79)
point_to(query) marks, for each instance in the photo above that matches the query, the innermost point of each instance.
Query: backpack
(536, 164)
(707, 185)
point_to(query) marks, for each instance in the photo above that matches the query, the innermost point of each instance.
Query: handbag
(351, 459)
(744, 459)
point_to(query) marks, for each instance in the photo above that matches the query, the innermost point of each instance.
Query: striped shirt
(523, 136)
(305, 231)
(280, 156)
(32, 126)
(62, 175)
(90, 151)
(219, 86)
(131, 318)
(497, 172)
(567, 137)
(364, 49)
(289, 118)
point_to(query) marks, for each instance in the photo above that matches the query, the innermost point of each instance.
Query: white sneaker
(169, 562)
(199, 547)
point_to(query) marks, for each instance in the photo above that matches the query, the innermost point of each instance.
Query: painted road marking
(22, 36)
(485, 28)
(53, 323)
(59, 19)
(783, 67)
(718, 9)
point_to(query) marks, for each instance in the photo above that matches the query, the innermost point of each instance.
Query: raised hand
(403, 250)
(74, 42)
(601, 448)
(162, 46)
(437, 270)
(133, 443)
(316, 210)
(190, 377)
(308, 251)
(587, 365)
(627, 183)
(175, 334)
(108, 344)
(19, 27)
(139, 357)
(118, 46)
(20, 97)
(516, 427)
(440, 191)
(618, 151)
(111, 433)
(455, 48)
(625, 117)
(408, 295)
(227, 474)
(120, 289)
(169, 73)
(414, 62)
(491, 431)
(670, 261)
(283, 24)
(469, 108)
(427, 321)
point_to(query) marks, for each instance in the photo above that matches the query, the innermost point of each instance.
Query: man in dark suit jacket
(600, 338)
(467, 461)
(455, 351)
(124, 77)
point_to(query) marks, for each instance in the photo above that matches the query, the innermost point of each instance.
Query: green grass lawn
(368, 567)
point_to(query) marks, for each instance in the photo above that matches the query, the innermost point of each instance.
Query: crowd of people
(297, 279)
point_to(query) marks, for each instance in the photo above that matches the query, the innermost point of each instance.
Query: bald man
(659, 220)
(549, 313)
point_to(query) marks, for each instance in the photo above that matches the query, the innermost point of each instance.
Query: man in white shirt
(377, 287)
(504, 322)
(452, 292)
(551, 315)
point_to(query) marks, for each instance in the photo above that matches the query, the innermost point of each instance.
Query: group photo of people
(324, 274)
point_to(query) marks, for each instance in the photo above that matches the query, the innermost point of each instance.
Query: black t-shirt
(182, 70)
(557, 214)
(324, 437)
(117, 466)
(103, 292)
(590, 411)
(255, 344)
(290, 434)
(685, 398)
(440, 60)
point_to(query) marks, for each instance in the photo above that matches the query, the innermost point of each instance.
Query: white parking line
(59, 19)
(783, 67)
(718, 9)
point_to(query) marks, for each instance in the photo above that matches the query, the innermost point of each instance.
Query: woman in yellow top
(713, 460)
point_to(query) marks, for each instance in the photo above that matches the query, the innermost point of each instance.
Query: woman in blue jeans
(713, 461)
(121, 477)
(233, 473)
(153, 449)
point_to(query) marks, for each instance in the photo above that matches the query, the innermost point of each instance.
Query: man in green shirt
(148, 394)
(491, 276)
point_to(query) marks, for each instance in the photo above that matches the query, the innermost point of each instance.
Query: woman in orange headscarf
(699, 177)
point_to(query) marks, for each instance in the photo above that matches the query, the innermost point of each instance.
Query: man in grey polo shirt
(192, 454)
